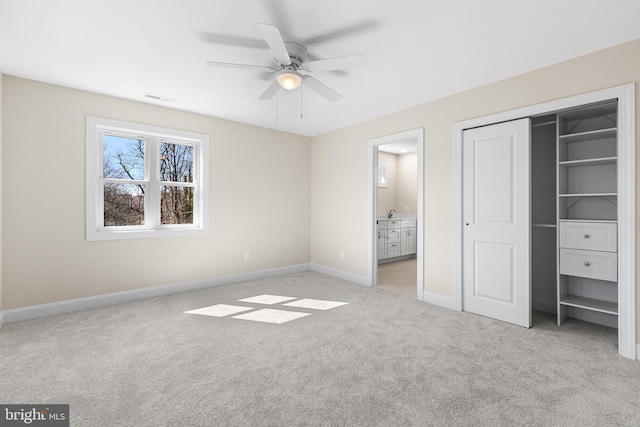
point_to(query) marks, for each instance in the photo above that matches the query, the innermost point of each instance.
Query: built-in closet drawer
(590, 264)
(382, 225)
(393, 224)
(593, 236)
(409, 223)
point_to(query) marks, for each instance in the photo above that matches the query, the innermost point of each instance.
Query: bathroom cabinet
(397, 238)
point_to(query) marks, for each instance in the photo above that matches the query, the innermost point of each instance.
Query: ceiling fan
(290, 60)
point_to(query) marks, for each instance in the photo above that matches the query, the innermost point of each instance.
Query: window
(145, 181)
(382, 176)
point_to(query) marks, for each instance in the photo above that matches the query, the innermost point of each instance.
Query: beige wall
(259, 200)
(611, 67)
(402, 183)
(407, 183)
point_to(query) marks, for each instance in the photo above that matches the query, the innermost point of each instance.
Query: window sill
(99, 235)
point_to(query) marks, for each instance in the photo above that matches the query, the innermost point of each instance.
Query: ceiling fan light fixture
(289, 79)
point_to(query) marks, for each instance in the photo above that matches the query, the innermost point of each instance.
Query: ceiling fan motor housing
(297, 53)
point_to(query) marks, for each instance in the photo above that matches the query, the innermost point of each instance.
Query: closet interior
(574, 228)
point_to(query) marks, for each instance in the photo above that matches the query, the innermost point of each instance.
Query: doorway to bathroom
(396, 212)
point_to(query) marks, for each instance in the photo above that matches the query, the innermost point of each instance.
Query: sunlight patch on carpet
(267, 299)
(269, 315)
(219, 310)
(316, 304)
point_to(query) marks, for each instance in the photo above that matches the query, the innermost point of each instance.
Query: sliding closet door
(496, 267)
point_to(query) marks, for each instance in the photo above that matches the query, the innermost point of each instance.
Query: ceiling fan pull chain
(301, 103)
(276, 108)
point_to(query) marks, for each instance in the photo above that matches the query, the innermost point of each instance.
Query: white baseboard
(1, 318)
(362, 280)
(51, 309)
(440, 300)
(638, 352)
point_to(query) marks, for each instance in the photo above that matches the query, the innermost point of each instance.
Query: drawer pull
(586, 264)
(586, 236)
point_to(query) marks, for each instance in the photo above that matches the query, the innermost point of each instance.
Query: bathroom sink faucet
(391, 212)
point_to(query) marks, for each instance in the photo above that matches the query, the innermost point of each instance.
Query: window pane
(176, 162)
(123, 204)
(176, 205)
(123, 157)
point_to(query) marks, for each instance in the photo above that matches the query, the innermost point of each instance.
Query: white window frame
(97, 127)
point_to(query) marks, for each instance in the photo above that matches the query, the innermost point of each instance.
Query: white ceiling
(417, 50)
(400, 147)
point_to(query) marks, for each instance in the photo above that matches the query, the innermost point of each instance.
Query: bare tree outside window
(123, 205)
(176, 166)
(124, 160)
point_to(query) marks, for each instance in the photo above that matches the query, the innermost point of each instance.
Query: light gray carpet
(382, 360)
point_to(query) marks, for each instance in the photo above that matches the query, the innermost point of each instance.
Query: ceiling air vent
(160, 98)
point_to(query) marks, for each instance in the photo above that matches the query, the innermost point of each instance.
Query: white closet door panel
(496, 265)
(495, 272)
(493, 201)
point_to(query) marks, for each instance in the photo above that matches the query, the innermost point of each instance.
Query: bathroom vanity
(397, 239)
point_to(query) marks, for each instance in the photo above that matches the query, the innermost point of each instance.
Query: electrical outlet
(407, 209)
(247, 256)
(341, 254)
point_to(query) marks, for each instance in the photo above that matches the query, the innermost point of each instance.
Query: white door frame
(372, 253)
(626, 197)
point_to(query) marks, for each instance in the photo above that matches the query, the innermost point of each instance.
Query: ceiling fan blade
(230, 40)
(243, 66)
(272, 35)
(321, 89)
(351, 61)
(341, 32)
(271, 91)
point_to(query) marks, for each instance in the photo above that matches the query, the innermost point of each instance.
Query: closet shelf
(607, 221)
(544, 225)
(588, 195)
(548, 123)
(590, 304)
(589, 136)
(589, 162)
